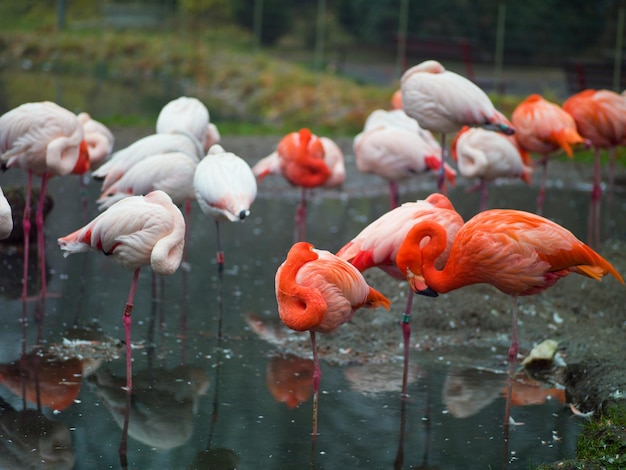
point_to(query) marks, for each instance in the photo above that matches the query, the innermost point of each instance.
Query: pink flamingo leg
(513, 350)
(127, 320)
(393, 194)
(484, 192)
(40, 236)
(317, 375)
(406, 334)
(300, 219)
(441, 180)
(26, 227)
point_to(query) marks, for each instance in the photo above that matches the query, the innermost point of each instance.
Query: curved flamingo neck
(300, 308)
(423, 260)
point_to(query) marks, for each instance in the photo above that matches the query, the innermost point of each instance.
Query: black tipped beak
(243, 215)
(508, 131)
(428, 292)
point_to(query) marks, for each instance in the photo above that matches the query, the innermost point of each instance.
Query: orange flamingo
(443, 101)
(544, 127)
(517, 252)
(600, 117)
(489, 155)
(377, 245)
(301, 162)
(317, 291)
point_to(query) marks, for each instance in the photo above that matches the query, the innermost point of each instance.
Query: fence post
(617, 69)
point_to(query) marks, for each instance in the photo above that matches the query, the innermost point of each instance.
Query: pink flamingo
(600, 117)
(489, 155)
(517, 252)
(393, 146)
(443, 101)
(377, 245)
(42, 139)
(317, 291)
(544, 127)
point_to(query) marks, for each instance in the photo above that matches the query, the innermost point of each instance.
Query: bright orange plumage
(544, 127)
(301, 156)
(600, 116)
(318, 291)
(517, 252)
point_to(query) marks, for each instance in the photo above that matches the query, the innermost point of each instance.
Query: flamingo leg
(220, 275)
(26, 228)
(406, 335)
(127, 320)
(300, 219)
(441, 180)
(512, 356)
(484, 192)
(393, 194)
(542, 188)
(317, 375)
(40, 236)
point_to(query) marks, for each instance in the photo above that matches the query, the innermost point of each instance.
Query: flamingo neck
(422, 261)
(300, 308)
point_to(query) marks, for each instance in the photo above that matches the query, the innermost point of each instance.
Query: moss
(602, 443)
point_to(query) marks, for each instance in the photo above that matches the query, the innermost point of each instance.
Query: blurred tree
(214, 8)
(276, 17)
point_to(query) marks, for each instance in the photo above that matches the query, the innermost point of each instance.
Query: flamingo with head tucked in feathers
(42, 139)
(544, 127)
(600, 117)
(317, 291)
(394, 146)
(489, 155)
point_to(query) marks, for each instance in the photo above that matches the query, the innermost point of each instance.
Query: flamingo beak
(418, 284)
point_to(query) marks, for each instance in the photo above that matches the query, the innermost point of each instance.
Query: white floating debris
(543, 352)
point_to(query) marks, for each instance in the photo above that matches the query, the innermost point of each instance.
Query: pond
(205, 402)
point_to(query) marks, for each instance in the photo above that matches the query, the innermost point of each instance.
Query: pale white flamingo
(489, 155)
(6, 217)
(135, 232)
(544, 127)
(171, 172)
(377, 246)
(225, 188)
(122, 160)
(443, 101)
(394, 147)
(188, 115)
(42, 139)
